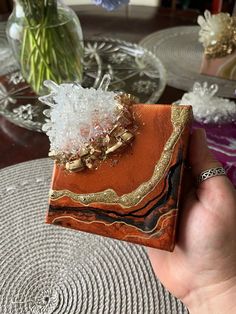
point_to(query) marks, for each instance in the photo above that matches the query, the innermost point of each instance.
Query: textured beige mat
(46, 269)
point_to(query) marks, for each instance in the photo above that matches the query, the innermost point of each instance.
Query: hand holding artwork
(202, 269)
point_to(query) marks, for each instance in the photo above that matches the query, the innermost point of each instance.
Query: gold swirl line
(179, 117)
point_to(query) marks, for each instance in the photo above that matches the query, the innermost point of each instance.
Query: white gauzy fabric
(49, 269)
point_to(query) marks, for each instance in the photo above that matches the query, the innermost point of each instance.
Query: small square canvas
(133, 195)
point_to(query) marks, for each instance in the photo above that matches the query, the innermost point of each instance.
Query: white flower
(215, 28)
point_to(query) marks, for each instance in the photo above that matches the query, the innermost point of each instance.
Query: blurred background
(199, 6)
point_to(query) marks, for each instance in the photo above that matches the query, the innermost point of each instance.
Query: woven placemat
(46, 269)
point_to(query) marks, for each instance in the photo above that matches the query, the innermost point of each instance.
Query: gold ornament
(217, 34)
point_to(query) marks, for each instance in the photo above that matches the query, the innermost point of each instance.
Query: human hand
(202, 269)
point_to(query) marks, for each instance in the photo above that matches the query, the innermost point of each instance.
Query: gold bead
(75, 165)
(83, 151)
(127, 137)
(114, 148)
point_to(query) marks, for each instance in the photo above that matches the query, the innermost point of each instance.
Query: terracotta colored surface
(152, 221)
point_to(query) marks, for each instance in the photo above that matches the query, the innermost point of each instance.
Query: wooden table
(132, 24)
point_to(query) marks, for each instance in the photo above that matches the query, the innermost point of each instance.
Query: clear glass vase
(47, 41)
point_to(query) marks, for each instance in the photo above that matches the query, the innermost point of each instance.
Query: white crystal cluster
(77, 115)
(207, 107)
(214, 28)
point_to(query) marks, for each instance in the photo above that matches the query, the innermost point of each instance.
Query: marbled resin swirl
(133, 196)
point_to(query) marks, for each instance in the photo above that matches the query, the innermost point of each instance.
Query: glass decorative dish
(181, 53)
(132, 68)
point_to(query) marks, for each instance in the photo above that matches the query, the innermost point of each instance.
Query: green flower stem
(48, 51)
(31, 33)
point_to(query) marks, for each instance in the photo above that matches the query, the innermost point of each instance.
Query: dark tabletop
(132, 24)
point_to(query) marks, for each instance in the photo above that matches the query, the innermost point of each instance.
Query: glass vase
(47, 41)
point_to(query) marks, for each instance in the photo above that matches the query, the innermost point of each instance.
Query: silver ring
(209, 173)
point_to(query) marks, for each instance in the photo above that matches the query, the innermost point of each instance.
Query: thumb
(200, 156)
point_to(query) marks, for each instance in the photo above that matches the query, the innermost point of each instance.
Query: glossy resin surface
(133, 196)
